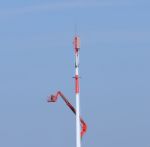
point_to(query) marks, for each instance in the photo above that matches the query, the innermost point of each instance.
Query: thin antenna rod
(75, 29)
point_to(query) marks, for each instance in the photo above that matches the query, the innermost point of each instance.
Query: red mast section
(77, 47)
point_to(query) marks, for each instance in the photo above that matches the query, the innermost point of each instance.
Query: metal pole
(77, 90)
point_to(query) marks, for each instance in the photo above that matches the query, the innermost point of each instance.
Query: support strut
(53, 98)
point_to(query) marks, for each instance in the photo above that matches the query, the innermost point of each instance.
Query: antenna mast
(77, 90)
(81, 126)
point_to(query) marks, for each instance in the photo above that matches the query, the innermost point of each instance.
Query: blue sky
(37, 59)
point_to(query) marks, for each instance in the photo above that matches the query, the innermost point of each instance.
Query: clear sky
(37, 59)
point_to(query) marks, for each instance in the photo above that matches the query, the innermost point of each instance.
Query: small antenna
(75, 29)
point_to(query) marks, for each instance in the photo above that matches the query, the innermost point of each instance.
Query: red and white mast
(77, 90)
(81, 126)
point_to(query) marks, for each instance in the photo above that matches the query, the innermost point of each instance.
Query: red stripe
(76, 45)
(77, 84)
